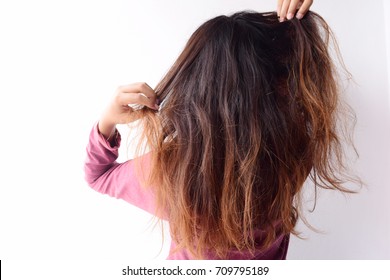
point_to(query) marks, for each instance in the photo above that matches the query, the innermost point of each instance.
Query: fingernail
(299, 16)
(281, 19)
(156, 107)
(290, 16)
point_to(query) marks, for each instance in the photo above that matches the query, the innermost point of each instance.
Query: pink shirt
(122, 180)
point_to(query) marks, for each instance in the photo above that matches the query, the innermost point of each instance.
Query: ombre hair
(250, 110)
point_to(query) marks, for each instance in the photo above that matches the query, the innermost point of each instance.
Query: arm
(102, 172)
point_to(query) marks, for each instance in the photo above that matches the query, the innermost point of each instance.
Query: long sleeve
(121, 180)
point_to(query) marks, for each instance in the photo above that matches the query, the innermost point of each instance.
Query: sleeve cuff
(113, 143)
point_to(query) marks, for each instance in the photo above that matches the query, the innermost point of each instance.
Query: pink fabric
(124, 181)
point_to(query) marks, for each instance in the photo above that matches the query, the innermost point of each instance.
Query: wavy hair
(249, 111)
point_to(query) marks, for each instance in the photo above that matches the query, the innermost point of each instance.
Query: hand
(288, 8)
(119, 111)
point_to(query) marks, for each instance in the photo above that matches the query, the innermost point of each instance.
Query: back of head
(248, 113)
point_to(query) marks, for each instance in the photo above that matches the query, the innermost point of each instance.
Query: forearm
(106, 128)
(101, 155)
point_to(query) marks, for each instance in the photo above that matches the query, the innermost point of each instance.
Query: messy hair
(249, 111)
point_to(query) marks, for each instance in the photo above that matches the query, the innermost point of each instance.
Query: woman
(245, 115)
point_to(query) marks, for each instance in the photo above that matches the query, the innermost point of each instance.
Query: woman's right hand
(287, 9)
(119, 111)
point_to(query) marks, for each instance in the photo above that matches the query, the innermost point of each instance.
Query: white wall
(358, 227)
(61, 61)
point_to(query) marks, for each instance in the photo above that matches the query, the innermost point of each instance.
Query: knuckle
(143, 85)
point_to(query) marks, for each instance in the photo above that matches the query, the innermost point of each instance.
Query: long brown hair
(249, 111)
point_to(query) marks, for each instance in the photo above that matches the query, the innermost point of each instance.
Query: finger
(279, 7)
(138, 88)
(283, 10)
(304, 8)
(292, 9)
(137, 98)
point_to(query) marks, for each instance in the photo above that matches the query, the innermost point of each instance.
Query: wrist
(106, 128)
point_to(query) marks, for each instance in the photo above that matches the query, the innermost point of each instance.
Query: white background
(60, 62)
